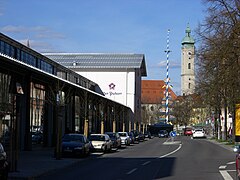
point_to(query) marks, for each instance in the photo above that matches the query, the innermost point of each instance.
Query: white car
(199, 133)
(125, 138)
(101, 142)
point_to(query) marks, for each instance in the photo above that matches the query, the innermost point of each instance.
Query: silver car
(101, 142)
(125, 139)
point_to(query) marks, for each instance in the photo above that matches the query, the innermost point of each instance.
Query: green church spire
(188, 39)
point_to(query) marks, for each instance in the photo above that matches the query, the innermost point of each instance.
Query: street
(157, 158)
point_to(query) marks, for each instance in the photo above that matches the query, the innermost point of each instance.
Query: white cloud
(37, 31)
(14, 29)
(172, 64)
(38, 36)
(38, 45)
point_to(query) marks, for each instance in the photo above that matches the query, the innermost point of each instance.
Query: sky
(106, 26)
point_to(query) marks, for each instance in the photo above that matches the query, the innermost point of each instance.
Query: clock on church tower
(187, 64)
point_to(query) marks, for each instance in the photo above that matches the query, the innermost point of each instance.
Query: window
(1, 46)
(189, 65)
(46, 67)
(189, 85)
(28, 58)
(152, 108)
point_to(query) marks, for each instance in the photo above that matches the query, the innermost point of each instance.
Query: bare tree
(5, 104)
(59, 96)
(218, 56)
(183, 110)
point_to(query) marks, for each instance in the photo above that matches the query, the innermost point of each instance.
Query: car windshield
(198, 130)
(162, 131)
(122, 134)
(111, 135)
(97, 138)
(69, 137)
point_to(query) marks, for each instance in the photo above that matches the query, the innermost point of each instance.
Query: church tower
(187, 64)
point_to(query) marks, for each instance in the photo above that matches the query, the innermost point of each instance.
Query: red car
(188, 132)
(237, 150)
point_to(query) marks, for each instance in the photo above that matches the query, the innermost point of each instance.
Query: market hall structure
(118, 75)
(39, 95)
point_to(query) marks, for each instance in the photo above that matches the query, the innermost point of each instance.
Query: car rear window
(122, 134)
(97, 138)
(68, 137)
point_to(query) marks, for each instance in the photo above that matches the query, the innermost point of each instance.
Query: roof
(153, 91)
(100, 61)
(188, 39)
(162, 124)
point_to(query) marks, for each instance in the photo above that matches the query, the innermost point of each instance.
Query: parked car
(4, 166)
(163, 134)
(37, 137)
(115, 138)
(141, 136)
(148, 135)
(188, 132)
(132, 138)
(136, 135)
(199, 133)
(101, 142)
(125, 139)
(76, 145)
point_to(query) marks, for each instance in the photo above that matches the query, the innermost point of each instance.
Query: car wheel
(88, 153)
(85, 153)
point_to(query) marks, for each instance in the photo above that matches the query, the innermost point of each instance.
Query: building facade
(187, 64)
(118, 75)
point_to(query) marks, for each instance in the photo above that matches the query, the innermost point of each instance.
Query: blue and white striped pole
(167, 79)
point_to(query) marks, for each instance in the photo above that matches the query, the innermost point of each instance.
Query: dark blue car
(75, 145)
(163, 133)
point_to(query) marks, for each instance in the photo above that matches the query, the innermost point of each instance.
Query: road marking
(225, 175)
(222, 167)
(97, 153)
(172, 142)
(146, 163)
(231, 170)
(179, 147)
(233, 162)
(130, 172)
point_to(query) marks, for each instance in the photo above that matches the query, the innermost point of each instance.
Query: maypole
(167, 79)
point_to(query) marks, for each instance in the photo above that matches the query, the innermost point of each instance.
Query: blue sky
(106, 26)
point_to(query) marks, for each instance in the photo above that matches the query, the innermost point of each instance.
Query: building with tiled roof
(153, 100)
(153, 91)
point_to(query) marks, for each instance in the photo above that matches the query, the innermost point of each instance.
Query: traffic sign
(173, 133)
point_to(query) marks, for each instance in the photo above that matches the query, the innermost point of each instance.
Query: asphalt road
(157, 158)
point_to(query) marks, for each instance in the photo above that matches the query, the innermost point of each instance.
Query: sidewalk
(32, 164)
(222, 144)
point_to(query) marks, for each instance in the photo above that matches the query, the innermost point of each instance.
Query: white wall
(122, 89)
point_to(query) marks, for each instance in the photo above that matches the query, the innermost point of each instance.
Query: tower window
(189, 65)
(189, 85)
